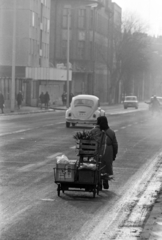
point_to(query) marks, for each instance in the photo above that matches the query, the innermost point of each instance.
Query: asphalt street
(29, 145)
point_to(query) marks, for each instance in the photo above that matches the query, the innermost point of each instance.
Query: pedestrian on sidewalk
(64, 97)
(106, 138)
(1, 102)
(46, 99)
(19, 99)
(70, 97)
(41, 97)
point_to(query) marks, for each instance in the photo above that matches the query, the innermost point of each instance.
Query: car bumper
(131, 105)
(81, 121)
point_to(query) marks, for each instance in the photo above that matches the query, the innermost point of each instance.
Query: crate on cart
(87, 147)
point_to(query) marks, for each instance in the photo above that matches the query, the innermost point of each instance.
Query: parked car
(130, 101)
(84, 109)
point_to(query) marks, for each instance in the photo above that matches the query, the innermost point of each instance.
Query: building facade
(32, 23)
(42, 32)
(89, 40)
(33, 72)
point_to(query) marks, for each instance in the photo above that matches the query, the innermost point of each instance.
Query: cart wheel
(94, 192)
(67, 124)
(58, 190)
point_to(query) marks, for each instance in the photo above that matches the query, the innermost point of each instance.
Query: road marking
(73, 147)
(123, 127)
(29, 129)
(48, 199)
(40, 164)
(19, 131)
(129, 125)
(59, 123)
(116, 130)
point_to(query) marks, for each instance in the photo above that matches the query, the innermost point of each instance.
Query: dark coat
(108, 147)
(1, 100)
(46, 97)
(64, 97)
(19, 98)
(41, 97)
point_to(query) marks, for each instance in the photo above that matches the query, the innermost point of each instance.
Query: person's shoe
(106, 185)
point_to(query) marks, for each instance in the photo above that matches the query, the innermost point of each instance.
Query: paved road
(29, 146)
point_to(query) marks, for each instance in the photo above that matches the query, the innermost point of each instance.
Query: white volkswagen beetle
(84, 109)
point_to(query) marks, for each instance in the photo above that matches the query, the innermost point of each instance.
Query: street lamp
(13, 59)
(76, 4)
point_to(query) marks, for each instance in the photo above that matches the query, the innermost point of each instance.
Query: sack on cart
(63, 159)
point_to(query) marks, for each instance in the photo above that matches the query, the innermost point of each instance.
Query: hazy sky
(150, 11)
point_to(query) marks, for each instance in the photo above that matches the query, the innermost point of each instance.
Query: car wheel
(67, 124)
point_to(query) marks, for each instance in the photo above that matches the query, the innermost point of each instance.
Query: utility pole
(94, 54)
(13, 58)
(68, 48)
(143, 86)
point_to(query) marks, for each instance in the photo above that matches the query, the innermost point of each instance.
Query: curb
(28, 112)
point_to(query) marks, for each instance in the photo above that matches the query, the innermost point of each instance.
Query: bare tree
(129, 56)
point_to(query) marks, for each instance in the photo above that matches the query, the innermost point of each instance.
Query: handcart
(83, 174)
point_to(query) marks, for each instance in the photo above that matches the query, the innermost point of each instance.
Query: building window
(48, 25)
(91, 50)
(81, 18)
(81, 49)
(91, 19)
(33, 19)
(66, 11)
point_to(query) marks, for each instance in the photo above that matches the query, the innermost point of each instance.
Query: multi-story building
(33, 72)
(41, 46)
(89, 39)
(32, 22)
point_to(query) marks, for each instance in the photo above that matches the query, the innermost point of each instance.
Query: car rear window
(83, 102)
(130, 98)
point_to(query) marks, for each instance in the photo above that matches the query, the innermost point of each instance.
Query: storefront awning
(47, 74)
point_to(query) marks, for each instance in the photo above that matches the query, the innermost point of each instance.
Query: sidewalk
(109, 109)
(153, 226)
(28, 109)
